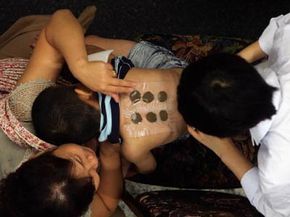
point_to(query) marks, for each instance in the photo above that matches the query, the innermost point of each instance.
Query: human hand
(218, 145)
(252, 53)
(108, 149)
(100, 77)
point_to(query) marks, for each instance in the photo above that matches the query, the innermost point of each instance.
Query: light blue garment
(105, 126)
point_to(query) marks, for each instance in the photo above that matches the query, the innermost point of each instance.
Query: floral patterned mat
(194, 47)
(195, 203)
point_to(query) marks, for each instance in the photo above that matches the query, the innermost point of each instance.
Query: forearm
(252, 53)
(66, 35)
(226, 150)
(111, 184)
(235, 160)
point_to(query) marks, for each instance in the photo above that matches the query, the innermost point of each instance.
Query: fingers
(118, 89)
(122, 83)
(192, 131)
(108, 82)
(115, 97)
(115, 86)
(195, 133)
(114, 74)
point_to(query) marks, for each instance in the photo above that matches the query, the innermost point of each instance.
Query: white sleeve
(274, 202)
(250, 184)
(268, 185)
(267, 38)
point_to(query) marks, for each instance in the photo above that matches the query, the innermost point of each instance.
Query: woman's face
(84, 160)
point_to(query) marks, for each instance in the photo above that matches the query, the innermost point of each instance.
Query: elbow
(57, 17)
(61, 13)
(143, 159)
(131, 153)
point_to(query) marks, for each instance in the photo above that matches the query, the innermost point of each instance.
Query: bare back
(149, 115)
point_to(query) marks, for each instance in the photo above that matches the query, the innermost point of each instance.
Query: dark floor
(128, 18)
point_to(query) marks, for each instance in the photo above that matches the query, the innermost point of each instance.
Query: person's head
(58, 183)
(60, 115)
(223, 95)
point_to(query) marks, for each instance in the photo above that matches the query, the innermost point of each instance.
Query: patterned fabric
(195, 203)
(21, 99)
(193, 47)
(187, 163)
(10, 72)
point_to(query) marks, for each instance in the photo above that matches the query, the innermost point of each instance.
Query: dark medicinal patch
(148, 97)
(151, 117)
(136, 118)
(162, 96)
(135, 96)
(163, 115)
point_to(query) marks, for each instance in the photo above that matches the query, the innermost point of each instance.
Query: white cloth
(268, 185)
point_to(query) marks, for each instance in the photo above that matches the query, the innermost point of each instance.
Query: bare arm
(62, 39)
(252, 53)
(234, 160)
(111, 182)
(140, 156)
(226, 150)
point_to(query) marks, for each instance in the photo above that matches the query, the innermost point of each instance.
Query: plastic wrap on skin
(150, 109)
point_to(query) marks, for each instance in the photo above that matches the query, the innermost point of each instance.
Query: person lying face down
(145, 118)
(64, 182)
